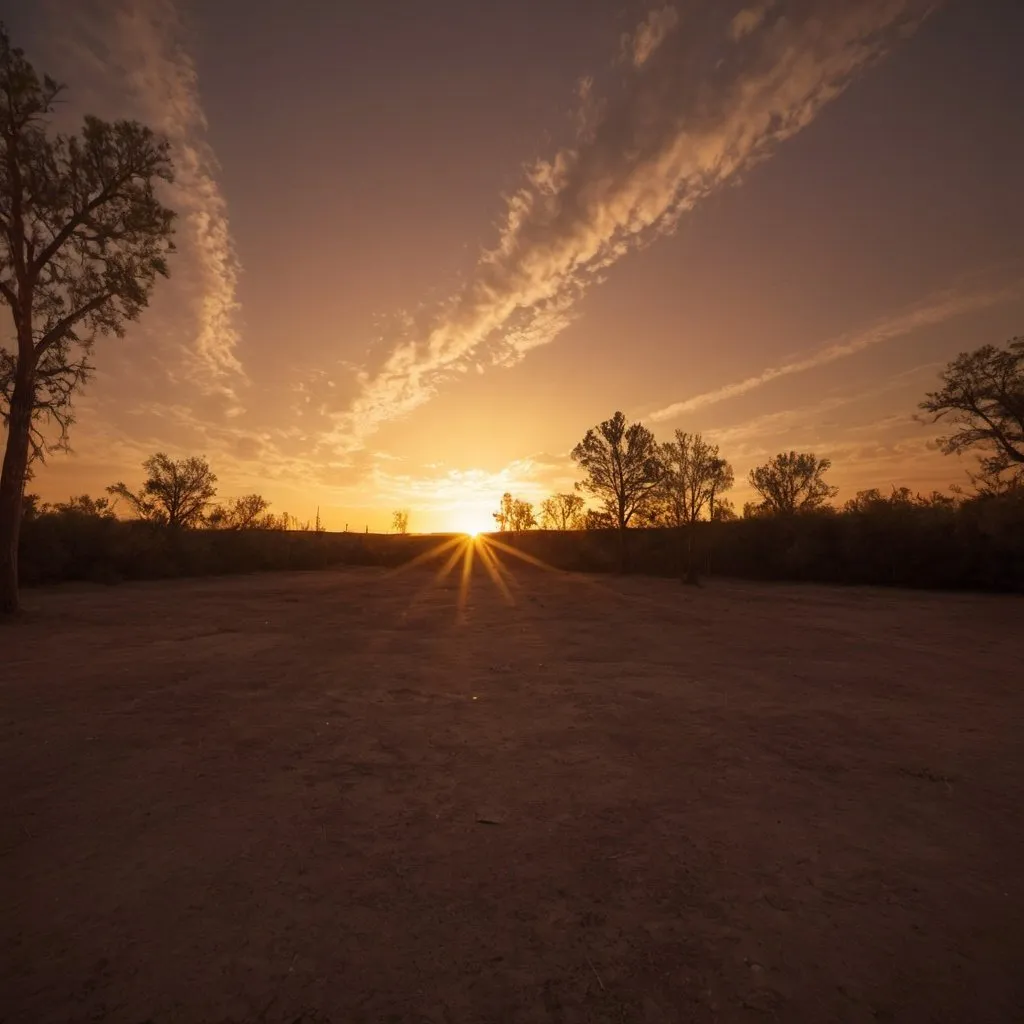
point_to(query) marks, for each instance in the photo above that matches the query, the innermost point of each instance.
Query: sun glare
(472, 521)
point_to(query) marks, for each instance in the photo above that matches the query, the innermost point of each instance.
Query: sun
(472, 520)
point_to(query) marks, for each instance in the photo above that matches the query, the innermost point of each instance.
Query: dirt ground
(351, 796)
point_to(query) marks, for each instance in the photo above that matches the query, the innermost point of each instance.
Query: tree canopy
(982, 397)
(791, 482)
(622, 467)
(175, 494)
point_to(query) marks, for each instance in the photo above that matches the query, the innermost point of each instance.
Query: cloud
(137, 47)
(936, 310)
(749, 19)
(651, 150)
(650, 34)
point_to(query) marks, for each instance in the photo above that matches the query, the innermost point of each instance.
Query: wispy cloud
(669, 135)
(650, 34)
(936, 310)
(139, 46)
(749, 19)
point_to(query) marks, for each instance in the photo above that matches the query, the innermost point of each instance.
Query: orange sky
(422, 251)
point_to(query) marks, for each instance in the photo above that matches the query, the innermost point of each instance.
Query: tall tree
(791, 482)
(623, 470)
(83, 239)
(694, 472)
(982, 396)
(562, 512)
(175, 494)
(400, 520)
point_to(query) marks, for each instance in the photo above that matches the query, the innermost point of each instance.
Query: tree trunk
(12, 486)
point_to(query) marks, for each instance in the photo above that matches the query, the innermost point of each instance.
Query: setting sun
(472, 520)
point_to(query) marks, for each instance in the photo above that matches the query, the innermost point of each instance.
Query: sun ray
(426, 556)
(530, 559)
(494, 570)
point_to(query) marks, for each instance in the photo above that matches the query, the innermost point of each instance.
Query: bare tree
(400, 520)
(175, 494)
(250, 512)
(83, 239)
(982, 395)
(562, 512)
(791, 482)
(623, 469)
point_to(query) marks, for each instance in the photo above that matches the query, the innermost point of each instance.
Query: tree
(723, 511)
(522, 517)
(721, 480)
(400, 520)
(694, 473)
(983, 397)
(503, 517)
(791, 482)
(84, 505)
(175, 494)
(83, 239)
(246, 513)
(562, 512)
(623, 469)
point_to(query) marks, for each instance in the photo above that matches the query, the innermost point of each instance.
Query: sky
(423, 247)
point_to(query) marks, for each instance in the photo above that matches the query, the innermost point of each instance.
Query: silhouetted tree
(722, 480)
(983, 396)
(521, 516)
(723, 511)
(82, 240)
(623, 470)
(791, 482)
(400, 520)
(175, 493)
(693, 475)
(246, 513)
(84, 505)
(503, 517)
(562, 512)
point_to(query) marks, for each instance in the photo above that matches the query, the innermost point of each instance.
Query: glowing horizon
(732, 232)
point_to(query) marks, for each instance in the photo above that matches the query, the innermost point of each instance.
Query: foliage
(250, 512)
(400, 520)
(562, 512)
(514, 514)
(622, 467)
(982, 396)
(503, 517)
(176, 493)
(791, 482)
(694, 473)
(83, 239)
(522, 516)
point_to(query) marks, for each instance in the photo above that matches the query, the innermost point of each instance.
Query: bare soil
(354, 796)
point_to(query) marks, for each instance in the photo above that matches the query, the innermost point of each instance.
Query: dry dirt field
(350, 796)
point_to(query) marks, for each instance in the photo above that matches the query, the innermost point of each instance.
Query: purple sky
(423, 247)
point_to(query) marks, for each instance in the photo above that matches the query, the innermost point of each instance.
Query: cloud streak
(676, 129)
(935, 311)
(138, 45)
